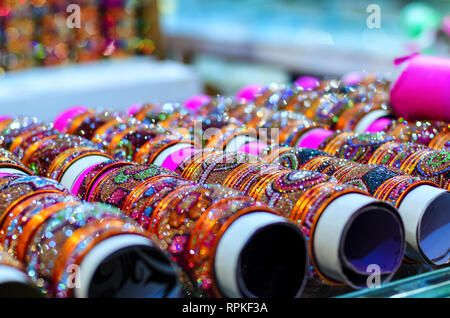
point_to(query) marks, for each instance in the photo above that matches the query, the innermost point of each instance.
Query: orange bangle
(412, 161)
(100, 131)
(99, 230)
(61, 157)
(34, 147)
(14, 211)
(440, 141)
(77, 121)
(33, 225)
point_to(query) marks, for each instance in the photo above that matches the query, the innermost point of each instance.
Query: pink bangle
(379, 125)
(79, 181)
(249, 92)
(174, 160)
(253, 148)
(62, 121)
(133, 109)
(196, 102)
(314, 138)
(2, 118)
(308, 83)
(422, 89)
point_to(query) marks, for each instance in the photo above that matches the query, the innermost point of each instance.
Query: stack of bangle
(14, 280)
(143, 191)
(171, 207)
(413, 159)
(300, 196)
(51, 232)
(388, 184)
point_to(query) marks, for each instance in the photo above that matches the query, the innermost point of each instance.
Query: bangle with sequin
(113, 187)
(441, 141)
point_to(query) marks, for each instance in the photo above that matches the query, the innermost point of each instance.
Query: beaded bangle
(206, 234)
(64, 160)
(78, 121)
(117, 184)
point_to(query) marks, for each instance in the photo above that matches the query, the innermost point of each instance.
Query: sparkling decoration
(36, 33)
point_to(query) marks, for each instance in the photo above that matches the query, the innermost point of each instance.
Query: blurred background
(130, 51)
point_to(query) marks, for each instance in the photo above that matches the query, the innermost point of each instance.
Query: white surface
(99, 253)
(412, 210)
(78, 167)
(369, 119)
(238, 141)
(9, 274)
(45, 92)
(329, 230)
(159, 160)
(232, 243)
(12, 171)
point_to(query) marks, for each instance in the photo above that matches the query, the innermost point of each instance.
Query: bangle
(17, 187)
(13, 223)
(411, 161)
(435, 166)
(35, 222)
(95, 175)
(311, 215)
(206, 234)
(65, 159)
(441, 141)
(117, 184)
(361, 147)
(146, 194)
(75, 248)
(129, 143)
(78, 120)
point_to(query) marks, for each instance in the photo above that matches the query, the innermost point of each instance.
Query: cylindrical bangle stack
(421, 204)
(65, 243)
(330, 192)
(429, 163)
(218, 263)
(386, 190)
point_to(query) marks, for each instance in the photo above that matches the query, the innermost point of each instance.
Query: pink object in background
(379, 125)
(353, 78)
(314, 138)
(253, 148)
(446, 25)
(133, 109)
(422, 90)
(62, 121)
(249, 92)
(2, 118)
(196, 102)
(174, 160)
(308, 83)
